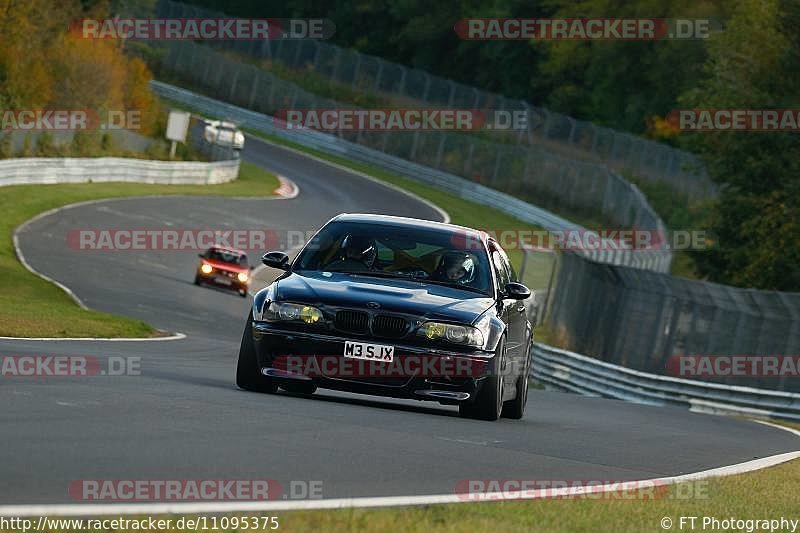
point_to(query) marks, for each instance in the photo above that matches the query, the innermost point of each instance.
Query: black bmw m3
(394, 307)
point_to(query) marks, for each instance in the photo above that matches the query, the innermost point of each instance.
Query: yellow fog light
(242, 277)
(434, 331)
(206, 268)
(310, 315)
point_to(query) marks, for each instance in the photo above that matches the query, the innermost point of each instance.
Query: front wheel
(488, 405)
(515, 409)
(248, 373)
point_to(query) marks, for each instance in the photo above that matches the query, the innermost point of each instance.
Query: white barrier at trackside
(36, 170)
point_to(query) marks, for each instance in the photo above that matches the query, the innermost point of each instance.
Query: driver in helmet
(356, 253)
(456, 267)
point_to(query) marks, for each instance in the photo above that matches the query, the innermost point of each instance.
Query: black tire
(515, 409)
(300, 387)
(243, 293)
(248, 375)
(488, 405)
(197, 280)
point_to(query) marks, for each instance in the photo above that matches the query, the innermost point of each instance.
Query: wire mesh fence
(645, 320)
(330, 69)
(526, 172)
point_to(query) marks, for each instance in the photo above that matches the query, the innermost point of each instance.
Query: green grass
(32, 307)
(770, 493)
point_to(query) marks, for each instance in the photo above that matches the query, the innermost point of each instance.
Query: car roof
(410, 223)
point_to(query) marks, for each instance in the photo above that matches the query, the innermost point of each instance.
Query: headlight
(286, 312)
(242, 276)
(453, 333)
(206, 268)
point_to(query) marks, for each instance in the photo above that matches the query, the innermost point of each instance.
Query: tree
(753, 64)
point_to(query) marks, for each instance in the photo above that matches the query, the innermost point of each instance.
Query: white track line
(173, 337)
(96, 509)
(24, 262)
(288, 190)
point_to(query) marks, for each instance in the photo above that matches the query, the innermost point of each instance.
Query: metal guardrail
(657, 260)
(585, 375)
(42, 170)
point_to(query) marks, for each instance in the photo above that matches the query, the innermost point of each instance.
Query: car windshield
(427, 255)
(226, 256)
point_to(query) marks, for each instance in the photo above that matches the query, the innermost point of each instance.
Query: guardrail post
(356, 70)
(440, 149)
(233, 85)
(253, 89)
(468, 160)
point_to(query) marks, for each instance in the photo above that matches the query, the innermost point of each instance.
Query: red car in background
(224, 267)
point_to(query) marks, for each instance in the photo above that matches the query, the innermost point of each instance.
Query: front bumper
(223, 281)
(416, 372)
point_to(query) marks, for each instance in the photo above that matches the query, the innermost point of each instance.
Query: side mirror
(277, 260)
(517, 291)
(202, 256)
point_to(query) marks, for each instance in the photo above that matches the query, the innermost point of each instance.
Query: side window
(512, 274)
(500, 270)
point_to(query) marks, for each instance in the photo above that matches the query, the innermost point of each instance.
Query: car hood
(393, 295)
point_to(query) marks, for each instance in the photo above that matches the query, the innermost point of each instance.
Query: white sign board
(178, 125)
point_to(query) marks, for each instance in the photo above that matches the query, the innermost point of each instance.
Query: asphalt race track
(183, 417)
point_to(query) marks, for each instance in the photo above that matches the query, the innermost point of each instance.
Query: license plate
(369, 352)
(224, 281)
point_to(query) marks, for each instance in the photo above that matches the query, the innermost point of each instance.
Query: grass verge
(33, 307)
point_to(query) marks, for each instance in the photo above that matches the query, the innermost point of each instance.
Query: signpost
(177, 127)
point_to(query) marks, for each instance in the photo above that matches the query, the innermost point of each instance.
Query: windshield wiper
(380, 274)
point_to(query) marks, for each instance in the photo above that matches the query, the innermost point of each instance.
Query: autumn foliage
(44, 65)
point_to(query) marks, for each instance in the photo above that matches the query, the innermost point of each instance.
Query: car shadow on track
(215, 288)
(369, 401)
